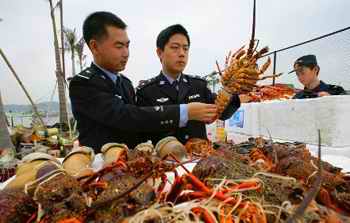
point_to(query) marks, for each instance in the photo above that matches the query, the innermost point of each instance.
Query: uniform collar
(165, 78)
(111, 75)
(170, 79)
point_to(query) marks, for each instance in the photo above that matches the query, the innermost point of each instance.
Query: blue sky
(215, 28)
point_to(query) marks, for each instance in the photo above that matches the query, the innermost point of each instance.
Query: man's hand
(202, 112)
(323, 93)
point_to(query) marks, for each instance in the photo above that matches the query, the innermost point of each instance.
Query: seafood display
(255, 181)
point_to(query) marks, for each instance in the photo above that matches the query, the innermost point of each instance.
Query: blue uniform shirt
(183, 107)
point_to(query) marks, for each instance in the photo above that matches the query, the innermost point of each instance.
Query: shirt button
(186, 136)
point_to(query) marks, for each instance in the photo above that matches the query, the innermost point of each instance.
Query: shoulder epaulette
(196, 77)
(144, 83)
(85, 74)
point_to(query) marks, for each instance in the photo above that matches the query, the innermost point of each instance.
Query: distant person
(307, 71)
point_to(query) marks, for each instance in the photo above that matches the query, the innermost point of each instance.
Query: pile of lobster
(271, 92)
(256, 181)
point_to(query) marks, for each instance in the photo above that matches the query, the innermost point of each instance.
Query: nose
(125, 52)
(182, 52)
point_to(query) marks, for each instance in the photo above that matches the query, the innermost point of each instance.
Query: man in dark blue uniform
(307, 70)
(103, 100)
(172, 86)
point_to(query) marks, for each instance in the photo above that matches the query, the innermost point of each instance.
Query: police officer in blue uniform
(172, 86)
(103, 100)
(307, 70)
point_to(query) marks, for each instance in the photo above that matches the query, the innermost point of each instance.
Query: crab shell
(78, 162)
(113, 151)
(170, 145)
(28, 168)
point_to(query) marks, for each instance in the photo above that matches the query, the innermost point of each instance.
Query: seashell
(145, 147)
(170, 145)
(113, 151)
(28, 168)
(78, 162)
(38, 156)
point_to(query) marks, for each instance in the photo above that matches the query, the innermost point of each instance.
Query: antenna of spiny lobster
(313, 190)
(252, 40)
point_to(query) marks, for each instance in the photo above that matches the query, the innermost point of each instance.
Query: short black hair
(167, 33)
(94, 26)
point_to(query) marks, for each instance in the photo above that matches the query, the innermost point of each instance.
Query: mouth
(181, 63)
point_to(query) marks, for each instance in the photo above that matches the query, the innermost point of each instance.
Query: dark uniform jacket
(158, 91)
(331, 89)
(107, 113)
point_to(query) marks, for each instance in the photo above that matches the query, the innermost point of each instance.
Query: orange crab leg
(225, 218)
(206, 217)
(243, 185)
(198, 184)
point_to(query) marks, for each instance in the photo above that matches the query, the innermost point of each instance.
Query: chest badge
(162, 100)
(191, 97)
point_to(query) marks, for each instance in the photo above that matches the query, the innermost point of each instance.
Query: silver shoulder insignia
(193, 96)
(82, 76)
(162, 100)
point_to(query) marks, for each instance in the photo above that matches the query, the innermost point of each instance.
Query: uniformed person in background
(172, 86)
(307, 71)
(103, 100)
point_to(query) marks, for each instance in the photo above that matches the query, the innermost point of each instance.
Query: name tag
(162, 100)
(193, 96)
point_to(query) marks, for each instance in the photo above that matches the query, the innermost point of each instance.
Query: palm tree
(59, 74)
(79, 48)
(71, 39)
(62, 39)
(5, 140)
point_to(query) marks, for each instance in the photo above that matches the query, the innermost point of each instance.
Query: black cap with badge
(305, 61)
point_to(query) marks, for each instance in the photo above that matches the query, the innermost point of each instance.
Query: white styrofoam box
(297, 120)
(244, 121)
